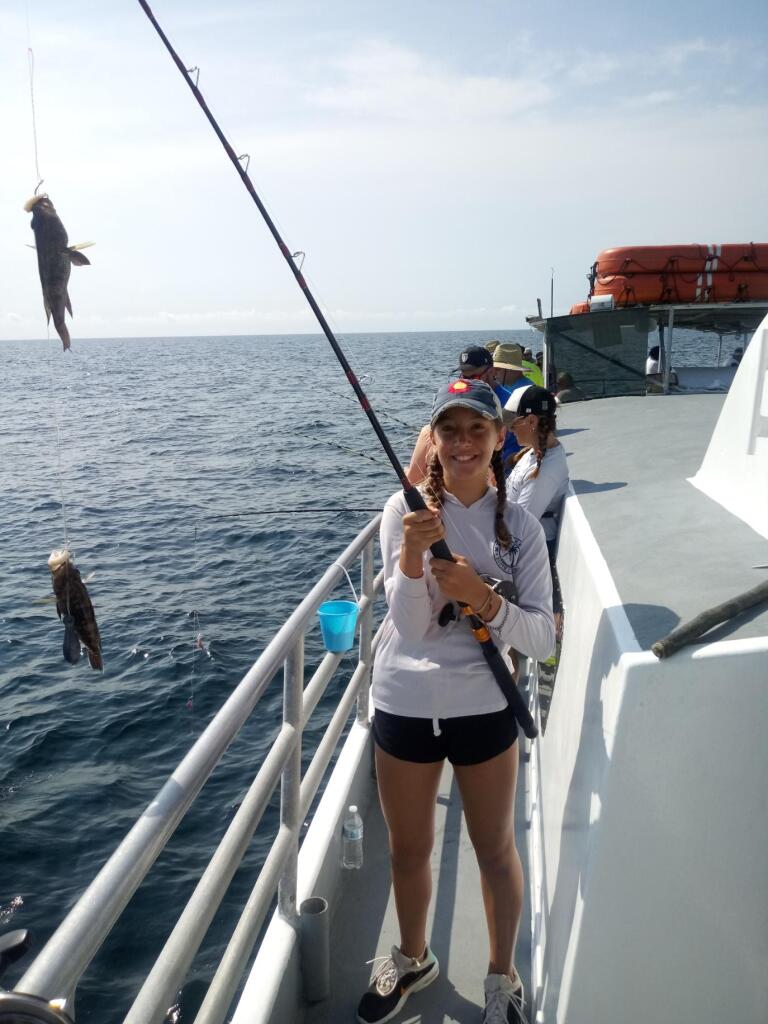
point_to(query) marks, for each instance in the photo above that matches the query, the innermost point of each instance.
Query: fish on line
(75, 610)
(55, 257)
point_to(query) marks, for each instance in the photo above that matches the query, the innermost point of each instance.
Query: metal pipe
(315, 958)
(230, 970)
(176, 957)
(224, 984)
(293, 687)
(325, 748)
(57, 969)
(169, 970)
(366, 632)
(668, 350)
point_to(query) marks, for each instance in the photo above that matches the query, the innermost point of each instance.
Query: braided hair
(546, 426)
(497, 468)
(434, 485)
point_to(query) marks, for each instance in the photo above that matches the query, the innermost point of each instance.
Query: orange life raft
(645, 289)
(751, 257)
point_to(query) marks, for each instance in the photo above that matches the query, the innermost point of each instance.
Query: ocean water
(139, 453)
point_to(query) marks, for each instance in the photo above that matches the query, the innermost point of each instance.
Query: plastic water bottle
(352, 839)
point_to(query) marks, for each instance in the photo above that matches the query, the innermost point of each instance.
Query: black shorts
(470, 739)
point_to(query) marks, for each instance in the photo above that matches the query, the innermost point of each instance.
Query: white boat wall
(646, 794)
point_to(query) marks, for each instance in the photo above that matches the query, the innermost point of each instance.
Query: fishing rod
(412, 496)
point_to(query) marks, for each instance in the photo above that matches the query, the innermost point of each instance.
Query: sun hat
(467, 394)
(475, 357)
(508, 357)
(534, 399)
(492, 345)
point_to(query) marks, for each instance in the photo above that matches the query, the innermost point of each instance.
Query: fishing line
(197, 636)
(341, 447)
(291, 511)
(54, 391)
(31, 66)
(382, 412)
(57, 427)
(414, 499)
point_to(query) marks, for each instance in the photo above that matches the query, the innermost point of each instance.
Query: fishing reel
(15, 1007)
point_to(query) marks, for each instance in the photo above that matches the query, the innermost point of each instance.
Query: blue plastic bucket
(338, 620)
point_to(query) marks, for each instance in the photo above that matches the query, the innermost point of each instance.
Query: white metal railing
(57, 969)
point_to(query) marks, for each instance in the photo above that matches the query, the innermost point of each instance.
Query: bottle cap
(352, 809)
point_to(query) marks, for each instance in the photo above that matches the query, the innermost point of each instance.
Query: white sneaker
(504, 1000)
(396, 977)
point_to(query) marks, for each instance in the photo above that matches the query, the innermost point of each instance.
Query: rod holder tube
(315, 950)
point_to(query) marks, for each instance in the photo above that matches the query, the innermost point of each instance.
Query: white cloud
(386, 81)
(674, 56)
(653, 99)
(593, 68)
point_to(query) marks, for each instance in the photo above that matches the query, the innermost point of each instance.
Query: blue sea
(149, 457)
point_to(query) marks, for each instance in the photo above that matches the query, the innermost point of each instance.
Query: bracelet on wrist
(481, 608)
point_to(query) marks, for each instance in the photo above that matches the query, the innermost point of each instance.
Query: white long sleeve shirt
(542, 495)
(425, 670)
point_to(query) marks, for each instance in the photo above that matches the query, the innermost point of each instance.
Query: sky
(437, 162)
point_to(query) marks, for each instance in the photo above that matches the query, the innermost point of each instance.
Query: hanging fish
(54, 261)
(75, 610)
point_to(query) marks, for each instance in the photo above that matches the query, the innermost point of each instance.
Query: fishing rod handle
(502, 675)
(415, 502)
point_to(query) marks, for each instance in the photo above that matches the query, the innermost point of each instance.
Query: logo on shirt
(506, 558)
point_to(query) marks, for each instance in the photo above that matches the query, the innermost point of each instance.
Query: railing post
(366, 630)
(290, 784)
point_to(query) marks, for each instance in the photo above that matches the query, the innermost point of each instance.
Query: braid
(547, 425)
(497, 468)
(433, 483)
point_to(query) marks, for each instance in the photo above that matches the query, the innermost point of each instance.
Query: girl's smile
(465, 442)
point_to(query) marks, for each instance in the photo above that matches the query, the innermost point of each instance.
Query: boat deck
(650, 523)
(365, 925)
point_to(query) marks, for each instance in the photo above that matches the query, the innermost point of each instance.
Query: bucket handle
(349, 579)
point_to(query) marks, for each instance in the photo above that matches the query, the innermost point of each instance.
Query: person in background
(435, 697)
(508, 366)
(533, 372)
(652, 363)
(475, 363)
(567, 390)
(538, 476)
(738, 354)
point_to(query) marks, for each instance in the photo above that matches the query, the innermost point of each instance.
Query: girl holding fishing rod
(435, 696)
